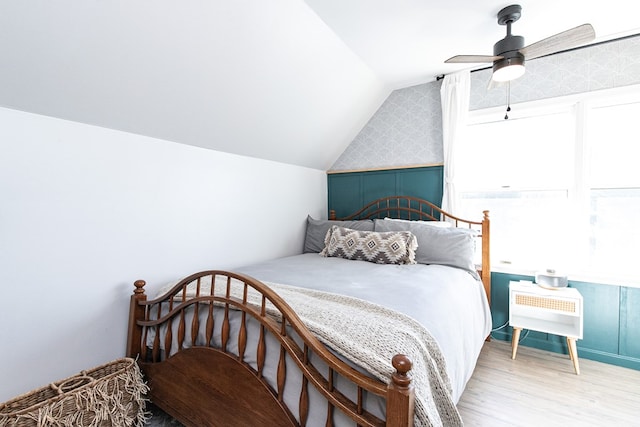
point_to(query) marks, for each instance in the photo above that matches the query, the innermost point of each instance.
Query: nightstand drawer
(562, 305)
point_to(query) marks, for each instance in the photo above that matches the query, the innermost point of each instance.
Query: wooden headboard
(413, 208)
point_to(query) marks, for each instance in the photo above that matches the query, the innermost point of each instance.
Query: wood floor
(540, 388)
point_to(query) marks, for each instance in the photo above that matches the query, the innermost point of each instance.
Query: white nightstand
(554, 311)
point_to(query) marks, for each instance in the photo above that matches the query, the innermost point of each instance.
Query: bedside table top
(539, 290)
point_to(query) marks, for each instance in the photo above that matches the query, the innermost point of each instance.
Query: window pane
(528, 228)
(615, 146)
(528, 153)
(614, 232)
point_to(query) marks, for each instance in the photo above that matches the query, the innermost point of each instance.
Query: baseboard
(561, 348)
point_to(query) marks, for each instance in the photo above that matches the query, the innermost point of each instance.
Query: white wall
(85, 211)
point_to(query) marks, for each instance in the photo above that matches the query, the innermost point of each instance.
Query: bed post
(486, 261)
(136, 312)
(400, 394)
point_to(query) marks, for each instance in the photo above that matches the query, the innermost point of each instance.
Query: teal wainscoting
(350, 191)
(611, 322)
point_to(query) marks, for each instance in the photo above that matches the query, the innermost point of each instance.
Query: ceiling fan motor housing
(509, 48)
(509, 44)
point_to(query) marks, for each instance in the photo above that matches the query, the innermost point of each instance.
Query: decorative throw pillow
(381, 248)
(317, 230)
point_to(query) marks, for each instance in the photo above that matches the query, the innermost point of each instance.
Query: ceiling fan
(510, 53)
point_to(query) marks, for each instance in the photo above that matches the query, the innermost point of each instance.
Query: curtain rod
(441, 76)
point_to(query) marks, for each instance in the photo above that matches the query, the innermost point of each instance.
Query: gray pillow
(455, 247)
(317, 230)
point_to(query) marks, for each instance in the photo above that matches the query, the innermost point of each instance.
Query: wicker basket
(108, 395)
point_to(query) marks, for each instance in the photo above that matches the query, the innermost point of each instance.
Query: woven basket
(108, 395)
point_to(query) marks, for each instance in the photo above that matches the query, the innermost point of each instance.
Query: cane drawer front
(562, 305)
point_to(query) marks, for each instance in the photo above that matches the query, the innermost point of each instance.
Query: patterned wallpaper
(407, 129)
(400, 133)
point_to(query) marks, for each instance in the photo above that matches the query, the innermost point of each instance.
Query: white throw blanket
(370, 342)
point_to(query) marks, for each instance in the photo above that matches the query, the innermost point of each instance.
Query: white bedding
(448, 301)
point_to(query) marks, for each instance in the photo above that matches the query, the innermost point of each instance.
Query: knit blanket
(370, 342)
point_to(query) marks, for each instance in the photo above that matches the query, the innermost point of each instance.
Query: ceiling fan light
(507, 69)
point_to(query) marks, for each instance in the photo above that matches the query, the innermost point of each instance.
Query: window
(614, 188)
(561, 183)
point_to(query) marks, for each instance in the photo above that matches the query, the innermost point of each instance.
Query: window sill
(629, 282)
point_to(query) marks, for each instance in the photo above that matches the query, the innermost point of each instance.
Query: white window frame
(579, 189)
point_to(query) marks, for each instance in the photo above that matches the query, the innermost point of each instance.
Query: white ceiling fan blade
(561, 41)
(459, 59)
(495, 84)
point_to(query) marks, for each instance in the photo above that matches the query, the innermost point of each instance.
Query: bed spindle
(195, 320)
(282, 373)
(304, 393)
(155, 351)
(304, 402)
(143, 346)
(224, 336)
(261, 350)
(195, 324)
(242, 333)
(330, 406)
(329, 422)
(209, 325)
(181, 327)
(169, 334)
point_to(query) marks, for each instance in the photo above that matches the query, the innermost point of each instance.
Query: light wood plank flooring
(540, 388)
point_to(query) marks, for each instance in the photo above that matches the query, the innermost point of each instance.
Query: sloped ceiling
(286, 80)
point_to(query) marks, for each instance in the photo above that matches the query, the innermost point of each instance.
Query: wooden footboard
(214, 372)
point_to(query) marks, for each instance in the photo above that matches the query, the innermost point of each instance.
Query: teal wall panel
(348, 192)
(428, 182)
(378, 184)
(601, 316)
(630, 322)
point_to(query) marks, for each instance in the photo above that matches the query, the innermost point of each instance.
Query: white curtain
(454, 95)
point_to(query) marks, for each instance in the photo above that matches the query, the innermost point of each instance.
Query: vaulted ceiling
(291, 81)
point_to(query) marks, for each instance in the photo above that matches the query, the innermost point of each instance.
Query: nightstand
(554, 311)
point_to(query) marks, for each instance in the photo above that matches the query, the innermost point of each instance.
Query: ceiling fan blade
(495, 84)
(471, 58)
(561, 41)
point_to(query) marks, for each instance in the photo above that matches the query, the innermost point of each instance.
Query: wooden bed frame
(211, 386)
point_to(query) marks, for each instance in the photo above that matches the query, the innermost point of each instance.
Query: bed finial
(486, 214)
(402, 365)
(139, 284)
(332, 214)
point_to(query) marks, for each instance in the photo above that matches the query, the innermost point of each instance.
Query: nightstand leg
(514, 342)
(573, 353)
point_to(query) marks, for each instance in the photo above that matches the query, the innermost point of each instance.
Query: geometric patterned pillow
(392, 247)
